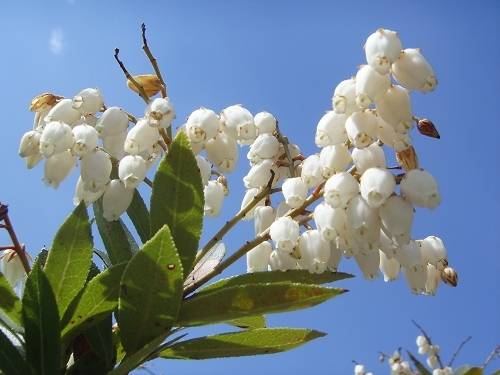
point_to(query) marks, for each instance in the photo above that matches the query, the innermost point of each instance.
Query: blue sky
(286, 57)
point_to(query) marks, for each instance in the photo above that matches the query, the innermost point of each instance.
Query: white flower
(416, 281)
(371, 156)
(433, 280)
(285, 233)
(202, 125)
(222, 151)
(132, 170)
(389, 267)
(434, 252)
(86, 139)
(364, 222)
(362, 128)
(214, 197)
(64, 112)
(382, 49)
(85, 195)
(281, 261)
(331, 129)
(33, 160)
(396, 215)
(265, 146)
(95, 168)
(113, 121)
(55, 139)
(388, 135)
(314, 251)
(410, 258)
(263, 217)
(335, 257)
(160, 113)
(114, 144)
(250, 194)
(151, 155)
(58, 167)
(116, 200)
(370, 86)
(311, 171)
(339, 189)
(327, 221)
(368, 263)
(258, 257)
(88, 101)
(344, 97)
(333, 159)
(264, 122)
(30, 143)
(12, 267)
(141, 137)
(205, 168)
(395, 109)
(432, 361)
(237, 122)
(413, 71)
(295, 191)
(377, 184)
(259, 175)
(420, 187)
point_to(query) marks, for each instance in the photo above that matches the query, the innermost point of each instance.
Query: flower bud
(382, 49)
(362, 128)
(434, 252)
(202, 125)
(64, 112)
(413, 71)
(449, 276)
(388, 135)
(222, 151)
(395, 109)
(263, 216)
(113, 121)
(116, 200)
(58, 167)
(86, 139)
(331, 129)
(368, 264)
(132, 170)
(88, 101)
(344, 97)
(420, 187)
(160, 113)
(285, 233)
(214, 197)
(426, 127)
(281, 261)
(339, 189)
(43, 101)
(389, 267)
(259, 175)
(265, 146)
(237, 122)
(295, 191)
(141, 137)
(314, 251)
(12, 267)
(407, 159)
(55, 139)
(149, 82)
(95, 168)
(30, 143)
(334, 159)
(311, 171)
(371, 156)
(376, 185)
(265, 123)
(85, 195)
(258, 257)
(370, 86)
(433, 280)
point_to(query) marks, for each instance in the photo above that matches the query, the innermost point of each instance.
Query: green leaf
(89, 364)
(97, 300)
(11, 362)
(9, 302)
(115, 236)
(177, 200)
(474, 371)
(41, 323)
(497, 372)
(69, 257)
(420, 366)
(461, 370)
(253, 342)
(93, 272)
(139, 215)
(251, 322)
(252, 299)
(151, 291)
(101, 341)
(291, 276)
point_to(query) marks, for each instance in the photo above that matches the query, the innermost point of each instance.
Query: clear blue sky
(286, 57)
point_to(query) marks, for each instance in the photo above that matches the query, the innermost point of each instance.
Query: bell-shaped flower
(237, 122)
(33, 160)
(362, 128)
(311, 171)
(263, 217)
(58, 168)
(339, 189)
(30, 143)
(368, 263)
(420, 187)
(328, 221)
(395, 109)
(113, 121)
(214, 197)
(63, 112)
(382, 49)
(141, 137)
(344, 97)
(285, 233)
(222, 151)
(250, 195)
(116, 199)
(85, 195)
(396, 215)
(371, 156)
(331, 129)
(160, 113)
(87, 119)
(416, 281)
(388, 135)
(282, 208)
(151, 155)
(114, 144)
(258, 257)
(205, 168)
(410, 257)
(88, 101)
(281, 261)
(259, 175)
(314, 251)
(413, 71)
(265, 123)
(371, 86)
(376, 185)
(202, 125)
(364, 222)
(265, 146)
(132, 170)
(55, 139)
(346, 242)
(295, 191)
(95, 168)
(434, 252)
(389, 267)
(386, 245)
(335, 257)
(86, 139)
(433, 280)
(11, 266)
(334, 159)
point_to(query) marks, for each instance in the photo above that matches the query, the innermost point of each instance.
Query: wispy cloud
(56, 41)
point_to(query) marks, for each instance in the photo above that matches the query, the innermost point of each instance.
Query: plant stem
(17, 245)
(142, 93)
(152, 59)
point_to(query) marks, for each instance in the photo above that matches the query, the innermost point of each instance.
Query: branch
(20, 250)
(458, 349)
(152, 59)
(142, 93)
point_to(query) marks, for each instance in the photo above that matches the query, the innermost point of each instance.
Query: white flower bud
(371, 156)
(370, 86)
(410, 258)
(368, 264)
(422, 341)
(434, 252)
(222, 151)
(205, 168)
(377, 184)
(64, 112)
(249, 196)
(214, 197)
(388, 135)
(151, 155)
(314, 251)
(433, 280)
(30, 143)
(259, 175)
(327, 221)
(386, 245)
(281, 261)
(265, 146)
(141, 137)
(55, 139)
(258, 257)
(202, 125)
(432, 361)
(344, 97)
(160, 113)
(359, 370)
(331, 129)
(362, 128)
(265, 123)
(85, 195)
(311, 171)
(88, 101)
(364, 222)
(263, 216)
(12, 267)
(389, 267)
(334, 159)
(33, 160)
(339, 189)
(95, 168)
(114, 144)
(285, 233)
(295, 191)
(132, 170)
(86, 139)
(113, 121)
(395, 109)
(116, 200)
(237, 122)
(397, 218)
(413, 71)
(382, 49)
(416, 281)
(420, 187)
(58, 168)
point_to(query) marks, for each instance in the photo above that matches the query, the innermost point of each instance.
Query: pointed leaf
(253, 299)
(253, 342)
(41, 323)
(151, 291)
(461, 370)
(115, 236)
(420, 366)
(69, 257)
(11, 362)
(101, 341)
(10, 304)
(474, 371)
(97, 300)
(139, 215)
(177, 200)
(251, 322)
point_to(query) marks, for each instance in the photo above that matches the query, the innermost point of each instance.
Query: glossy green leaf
(461, 370)
(41, 324)
(10, 304)
(418, 365)
(253, 342)
(291, 276)
(151, 291)
(115, 236)
(177, 200)
(474, 371)
(139, 215)
(69, 257)
(11, 362)
(97, 300)
(253, 299)
(250, 322)
(100, 340)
